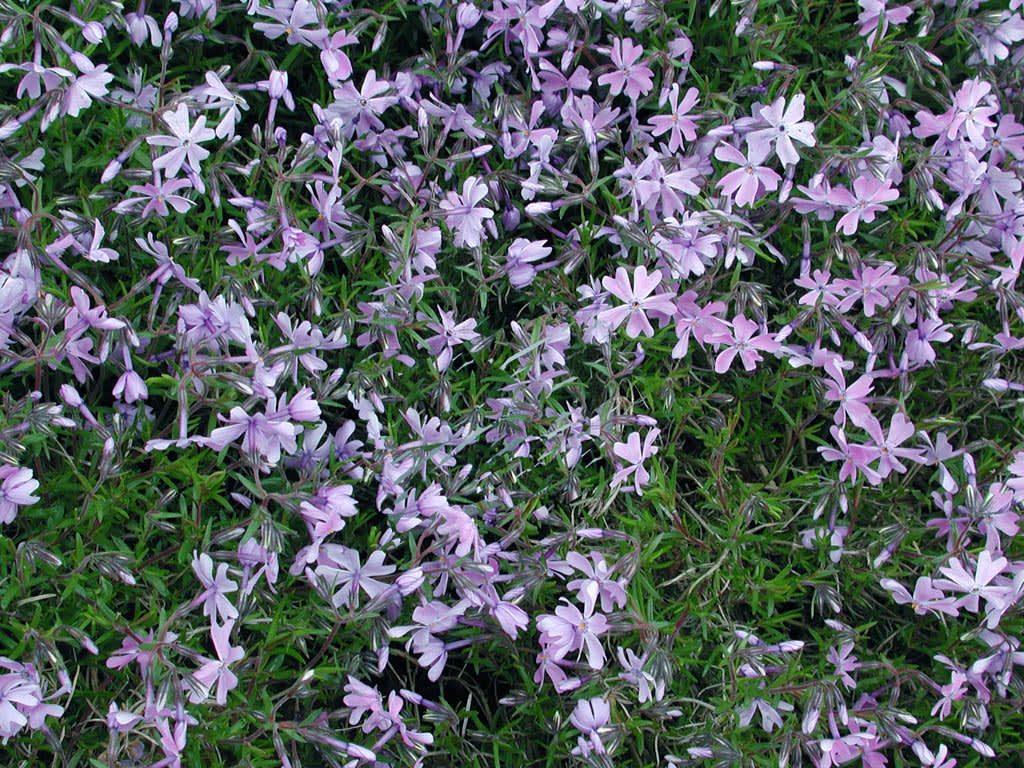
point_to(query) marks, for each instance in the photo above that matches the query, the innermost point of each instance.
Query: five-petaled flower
(184, 144)
(216, 589)
(751, 179)
(464, 218)
(570, 630)
(678, 123)
(626, 74)
(785, 123)
(16, 490)
(638, 300)
(745, 341)
(868, 198)
(449, 333)
(215, 672)
(635, 455)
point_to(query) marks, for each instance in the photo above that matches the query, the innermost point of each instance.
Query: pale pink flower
(678, 123)
(589, 716)
(16, 490)
(785, 123)
(569, 630)
(869, 197)
(340, 569)
(184, 144)
(638, 300)
(976, 585)
(852, 400)
(215, 588)
(599, 582)
(648, 686)
(449, 333)
(216, 672)
(745, 341)
(464, 218)
(634, 455)
(264, 435)
(360, 110)
(888, 444)
(627, 75)
(91, 84)
(751, 179)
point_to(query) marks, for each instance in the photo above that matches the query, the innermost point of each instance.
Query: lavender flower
(16, 490)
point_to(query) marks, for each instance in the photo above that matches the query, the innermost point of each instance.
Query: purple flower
(785, 123)
(751, 179)
(853, 399)
(746, 342)
(867, 199)
(954, 691)
(525, 133)
(972, 111)
(874, 286)
(131, 387)
(855, 457)
(172, 744)
(362, 699)
(589, 716)
(678, 123)
(216, 672)
(926, 597)
(215, 588)
(553, 81)
(328, 509)
(263, 435)
(119, 720)
(184, 144)
(463, 216)
(37, 78)
(519, 259)
(569, 630)
(91, 84)
(336, 62)
(131, 650)
(702, 323)
(845, 663)
(548, 665)
(648, 686)
(299, 21)
(919, 350)
(340, 569)
(459, 531)
(93, 251)
(770, 717)
(634, 455)
(888, 445)
(360, 110)
(638, 300)
(16, 692)
(875, 11)
(449, 333)
(627, 75)
(157, 196)
(431, 618)
(976, 585)
(598, 582)
(582, 113)
(16, 491)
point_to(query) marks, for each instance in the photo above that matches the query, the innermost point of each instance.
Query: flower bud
(467, 15)
(278, 84)
(94, 32)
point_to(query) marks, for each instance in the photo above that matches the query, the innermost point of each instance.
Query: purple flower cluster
(418, 351)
